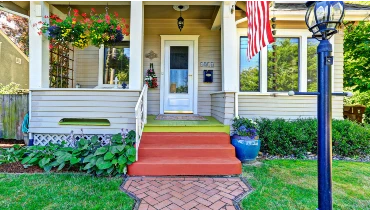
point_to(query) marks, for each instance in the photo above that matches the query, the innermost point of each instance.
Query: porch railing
(141, 116)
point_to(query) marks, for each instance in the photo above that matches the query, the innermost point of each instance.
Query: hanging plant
(68, 30)
(106, 29)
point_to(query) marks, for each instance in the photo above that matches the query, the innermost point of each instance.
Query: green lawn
(61, 191)
(292, 184)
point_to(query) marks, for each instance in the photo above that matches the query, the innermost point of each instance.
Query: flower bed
(88, 156)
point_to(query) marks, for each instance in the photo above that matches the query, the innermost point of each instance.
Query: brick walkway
(185, 192)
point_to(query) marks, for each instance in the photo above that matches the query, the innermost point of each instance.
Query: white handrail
(141, 116)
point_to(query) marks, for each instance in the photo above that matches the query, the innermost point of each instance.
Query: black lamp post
(323, 19)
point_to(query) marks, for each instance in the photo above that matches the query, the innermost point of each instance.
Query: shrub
(108, 160)
(285, 137)
(11, 88)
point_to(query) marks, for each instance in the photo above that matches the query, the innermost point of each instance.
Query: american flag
(259, 29)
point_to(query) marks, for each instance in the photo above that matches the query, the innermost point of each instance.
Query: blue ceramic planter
(246, 148)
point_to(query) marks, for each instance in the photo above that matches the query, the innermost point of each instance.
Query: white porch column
(229, 48)
(38, 47)
(136, 45)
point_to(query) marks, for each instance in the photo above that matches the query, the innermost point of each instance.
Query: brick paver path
(186, 193)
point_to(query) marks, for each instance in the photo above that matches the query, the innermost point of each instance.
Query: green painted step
(209, 125)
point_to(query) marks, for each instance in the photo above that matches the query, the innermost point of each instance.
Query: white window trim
(303, 35)
(101, 65)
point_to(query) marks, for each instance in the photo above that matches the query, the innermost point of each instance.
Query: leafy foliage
(284, 137)
(89, 156)
(11, 88)
(16, 28)
(245, 127)
(11, 154)
(357, 57)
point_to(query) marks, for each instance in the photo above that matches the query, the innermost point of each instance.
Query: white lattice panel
(44, 139)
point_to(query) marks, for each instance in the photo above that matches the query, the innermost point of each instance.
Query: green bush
(297, 137)
(109, 160)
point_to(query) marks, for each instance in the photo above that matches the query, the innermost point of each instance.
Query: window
(116, 63)
(283, 65)
(312, 44)
(249, 69)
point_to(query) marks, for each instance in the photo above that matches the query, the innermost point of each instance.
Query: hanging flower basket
(80, 30)
(106, 29)
(69, 30)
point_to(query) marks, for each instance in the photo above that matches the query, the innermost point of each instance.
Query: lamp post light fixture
(322, 19)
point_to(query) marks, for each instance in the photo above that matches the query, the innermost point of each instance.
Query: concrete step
(186, 150)
(159, 166)
(184, 138)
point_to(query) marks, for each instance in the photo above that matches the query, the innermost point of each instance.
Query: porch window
(116, 63)
(249, 69)
(312, 44)
(283, 65)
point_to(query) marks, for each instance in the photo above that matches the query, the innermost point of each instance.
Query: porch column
(136, 45)
(229, 48)
(38, 47)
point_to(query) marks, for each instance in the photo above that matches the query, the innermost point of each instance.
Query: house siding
(86, 65)
(222, 107)
(10, 70)
(209, 46)
(49, 107)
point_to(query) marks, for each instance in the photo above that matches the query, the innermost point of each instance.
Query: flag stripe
(259, 29)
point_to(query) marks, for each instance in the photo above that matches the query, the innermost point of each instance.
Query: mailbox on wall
(208, 76)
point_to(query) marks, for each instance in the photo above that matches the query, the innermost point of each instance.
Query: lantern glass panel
(320, 14)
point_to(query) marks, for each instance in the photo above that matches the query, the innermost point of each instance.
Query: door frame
(193, 38)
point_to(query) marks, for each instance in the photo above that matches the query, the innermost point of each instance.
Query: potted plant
(245, 139)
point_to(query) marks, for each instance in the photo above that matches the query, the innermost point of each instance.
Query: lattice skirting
(44, 139)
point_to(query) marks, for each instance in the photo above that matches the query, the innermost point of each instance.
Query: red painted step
(185, 154)
(186, 150)
(185, 138)
(155, 166)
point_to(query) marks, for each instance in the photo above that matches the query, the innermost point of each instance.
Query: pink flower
(123, 20)
(116, 14)
(50, 46)
(107, 18)
(39, 33)
(118, 27)
(84, 15)
(99, 21)
(93, 10)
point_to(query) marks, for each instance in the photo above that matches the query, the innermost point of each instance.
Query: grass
(292, 184)
(61, 191)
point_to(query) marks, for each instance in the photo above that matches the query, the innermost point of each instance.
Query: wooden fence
(13, 108)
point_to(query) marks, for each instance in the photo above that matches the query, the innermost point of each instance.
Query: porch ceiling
(167, 12)
(122, 10)
(150, 11)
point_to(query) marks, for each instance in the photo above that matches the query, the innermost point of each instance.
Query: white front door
(178, 87)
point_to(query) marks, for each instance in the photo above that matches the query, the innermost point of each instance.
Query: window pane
(116, 63)
(179, 64)
(283, 65)
(249, 69)
(312, 44)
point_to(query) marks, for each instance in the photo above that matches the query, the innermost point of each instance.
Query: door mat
(180, 117)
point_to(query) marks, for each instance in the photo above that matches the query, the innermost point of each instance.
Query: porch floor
(209, 125)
